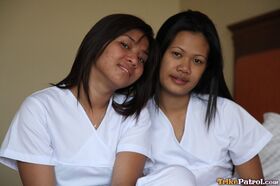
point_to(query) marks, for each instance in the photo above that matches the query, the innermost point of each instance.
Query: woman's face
(122, 61)
(183, 63)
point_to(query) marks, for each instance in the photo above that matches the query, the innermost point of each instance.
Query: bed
(257, 79)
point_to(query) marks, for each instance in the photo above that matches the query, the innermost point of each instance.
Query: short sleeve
(27, 139)
(247, 135)
(136, 137)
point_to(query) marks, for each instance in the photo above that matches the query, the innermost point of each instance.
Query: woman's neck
(98, 99)
(97, 106)
(173, 104)
(175, 108)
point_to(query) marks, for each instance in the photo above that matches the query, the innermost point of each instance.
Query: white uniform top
(52, 128)
(234, 137)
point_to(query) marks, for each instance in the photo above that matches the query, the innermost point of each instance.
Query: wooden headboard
(257, 64)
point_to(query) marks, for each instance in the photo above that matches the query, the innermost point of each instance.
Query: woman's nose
(184, 66)
(132, 59)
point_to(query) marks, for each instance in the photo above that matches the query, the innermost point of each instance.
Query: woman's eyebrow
(134, 41)
(177, 47)
(129, 37)
(197, 54)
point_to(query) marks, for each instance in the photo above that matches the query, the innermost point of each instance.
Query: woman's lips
(179, 81)
(125, 69)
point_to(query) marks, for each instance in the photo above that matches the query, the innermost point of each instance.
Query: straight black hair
(212, 81)
(93, 45)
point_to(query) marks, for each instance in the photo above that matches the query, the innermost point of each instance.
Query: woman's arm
(128, 168)
(35, 174)
(252, 169)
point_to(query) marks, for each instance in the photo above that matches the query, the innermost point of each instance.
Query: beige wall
(226, 12)
(39, 39)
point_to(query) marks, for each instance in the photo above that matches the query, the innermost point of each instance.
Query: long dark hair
(92, 46)
(212, 81)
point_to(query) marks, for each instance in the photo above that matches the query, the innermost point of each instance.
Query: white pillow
(270, 155)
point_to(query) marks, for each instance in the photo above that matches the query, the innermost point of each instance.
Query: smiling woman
(122, 62)
(91, 128)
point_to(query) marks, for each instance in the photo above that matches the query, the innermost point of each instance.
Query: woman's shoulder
(233, 113)
(49, 91)
(226, 109)
(47, 95)
(222, 103)
(229, 107)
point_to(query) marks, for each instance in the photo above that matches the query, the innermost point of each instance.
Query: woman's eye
(124, 45)
(197, 61)
(176, 54)
(141, 60)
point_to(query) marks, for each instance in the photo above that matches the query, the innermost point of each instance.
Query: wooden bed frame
(257, 64)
